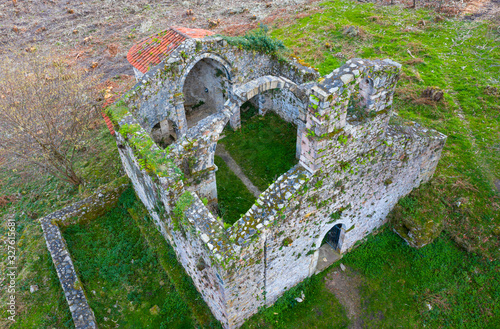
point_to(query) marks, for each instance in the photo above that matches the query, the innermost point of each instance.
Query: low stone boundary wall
(97, 204)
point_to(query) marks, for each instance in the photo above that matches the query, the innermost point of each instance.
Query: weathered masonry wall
(356, 159)
(160, 93)
(97, 204)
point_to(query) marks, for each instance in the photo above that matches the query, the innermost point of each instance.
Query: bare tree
(46, 107)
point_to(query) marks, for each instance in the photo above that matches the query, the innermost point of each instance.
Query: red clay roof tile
(154, 49)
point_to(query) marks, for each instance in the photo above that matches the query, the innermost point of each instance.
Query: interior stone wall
(205, 90)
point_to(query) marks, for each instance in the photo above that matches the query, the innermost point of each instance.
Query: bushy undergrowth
(258, 40)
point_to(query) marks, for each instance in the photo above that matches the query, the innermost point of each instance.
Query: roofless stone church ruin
(356, 159)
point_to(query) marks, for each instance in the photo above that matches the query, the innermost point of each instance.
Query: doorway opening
(332, 238)
(329, 251)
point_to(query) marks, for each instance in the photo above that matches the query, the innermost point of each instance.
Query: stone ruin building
(356, 159)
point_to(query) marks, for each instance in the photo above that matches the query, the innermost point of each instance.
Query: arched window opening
(358, 109)
(205, 90)
(164, 133)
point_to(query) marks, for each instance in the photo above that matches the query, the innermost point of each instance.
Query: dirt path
(345, 285)
(222, 152)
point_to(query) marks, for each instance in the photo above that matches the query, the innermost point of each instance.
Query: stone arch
(228, 67)
(257, 87)
(248, 90)
(205, 85)
(322, 252)
(335, 236)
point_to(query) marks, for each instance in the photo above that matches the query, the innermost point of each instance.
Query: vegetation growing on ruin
(455, 55)
(264, 147)
(234, 199)
(258, 40)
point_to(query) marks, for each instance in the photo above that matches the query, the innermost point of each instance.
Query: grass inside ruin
(121, 275)
(234, 199)
(264, 147)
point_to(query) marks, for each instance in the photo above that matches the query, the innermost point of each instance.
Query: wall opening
(358, 109)
(329, 251)
(164, 133)
(333, 237)
(206, 89)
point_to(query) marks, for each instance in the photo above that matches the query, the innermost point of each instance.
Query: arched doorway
(206, 89)
(330, 250)
(333, 237)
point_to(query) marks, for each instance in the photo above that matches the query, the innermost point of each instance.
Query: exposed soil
(482, 9)
(345, 285)
(97, 34)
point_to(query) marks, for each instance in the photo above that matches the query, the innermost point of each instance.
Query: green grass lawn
(460, 57)
(264, 147)
(233, 196)
(437, 286)
(121, 275)
(320, 309)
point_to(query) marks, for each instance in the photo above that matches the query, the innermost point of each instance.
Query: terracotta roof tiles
(154, 49)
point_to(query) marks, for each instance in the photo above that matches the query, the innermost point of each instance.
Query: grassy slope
(400, 283)
(439, 286)
(460, 57)
(320, 309)
(121, 275)
(234, 198)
